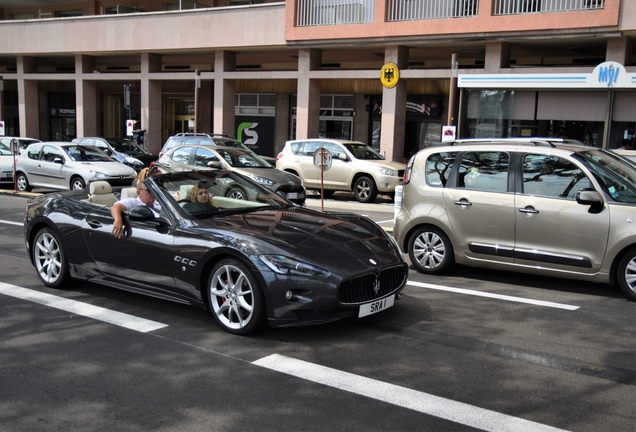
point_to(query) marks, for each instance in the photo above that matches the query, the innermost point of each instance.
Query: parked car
(188, 157)
(514, 140)
(355, 167)
(23, 142)
(252, 263)
(124, 150)
(559, 210)
(65, 165)
(209, 139)
(6, 164)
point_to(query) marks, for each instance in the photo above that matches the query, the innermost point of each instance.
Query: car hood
(272, 174)
(397, 166)
(330, 240)
(108, 168)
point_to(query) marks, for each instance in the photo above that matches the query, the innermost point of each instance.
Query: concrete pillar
(85, 97)
(394, 108)
(497, 56)
(281, 128)
(308, 95)
(150, 115)
(224, 93)
(619, 49)
(28, 106)
(361, 118)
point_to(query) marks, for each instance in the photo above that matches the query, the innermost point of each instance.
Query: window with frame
(484, 171)
(181, 155)
(438, 168)
(552, 177)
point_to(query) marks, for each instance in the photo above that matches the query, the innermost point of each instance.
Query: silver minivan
(559, 210)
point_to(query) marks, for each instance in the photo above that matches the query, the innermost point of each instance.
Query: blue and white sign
(606, 75)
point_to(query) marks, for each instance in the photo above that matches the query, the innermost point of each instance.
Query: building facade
(273, 71)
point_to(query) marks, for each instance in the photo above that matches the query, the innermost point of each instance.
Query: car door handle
(463, 202)
(94, 224)
(529, 210)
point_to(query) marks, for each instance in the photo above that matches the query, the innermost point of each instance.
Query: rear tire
(22, 183)
(431, 251)
(626, 274)
(49, 259)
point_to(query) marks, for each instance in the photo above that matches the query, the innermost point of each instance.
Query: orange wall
(483, 23)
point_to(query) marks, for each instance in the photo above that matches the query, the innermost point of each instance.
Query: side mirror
(214, 164)
(592, 198)
(58, 160)
(343, 157)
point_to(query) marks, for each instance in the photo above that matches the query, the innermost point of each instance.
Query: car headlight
(389, 172)
(261, 180)
(289, 266)
(97, 174)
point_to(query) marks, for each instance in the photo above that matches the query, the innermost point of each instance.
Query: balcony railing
(510, 7)
(406, 10)
(329, 12)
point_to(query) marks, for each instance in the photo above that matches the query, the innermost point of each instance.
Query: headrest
(128, 192)
(184, 191)
(100, 187)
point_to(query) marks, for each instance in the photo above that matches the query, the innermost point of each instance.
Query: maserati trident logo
(376, 286)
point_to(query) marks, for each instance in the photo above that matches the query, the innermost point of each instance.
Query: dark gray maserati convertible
(254, 261)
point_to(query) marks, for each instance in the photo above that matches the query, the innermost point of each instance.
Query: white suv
(355, 167)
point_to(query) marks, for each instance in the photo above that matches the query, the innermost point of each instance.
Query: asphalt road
(470, 350)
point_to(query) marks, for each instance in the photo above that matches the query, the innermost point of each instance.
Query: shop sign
(605, 75)
(62, 112)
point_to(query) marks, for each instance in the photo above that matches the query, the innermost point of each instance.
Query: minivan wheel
(365, 190)
(430, 250)
(626, 274)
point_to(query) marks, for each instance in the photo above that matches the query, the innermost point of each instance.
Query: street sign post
(322, 161)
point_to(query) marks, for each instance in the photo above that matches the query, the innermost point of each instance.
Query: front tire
(77, 183)
(626, 274)
(430, 251)
(49, 259)
(235, 297)
(22, 183)
(236, 192)
(365, 190)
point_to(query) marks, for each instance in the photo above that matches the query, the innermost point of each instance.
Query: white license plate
(292, 195)
(376, 306)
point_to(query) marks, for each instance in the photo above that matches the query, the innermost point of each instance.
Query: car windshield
(227, 193)
(80, 153)
(127, 146)
(363, 151)
(238, 158)
(616, 175)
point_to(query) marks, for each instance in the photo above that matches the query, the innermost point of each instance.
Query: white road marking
(386, 221)
(425, 403)
(11, 223)
(102, 314)
(495, 296)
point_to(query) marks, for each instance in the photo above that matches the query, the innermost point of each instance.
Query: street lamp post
(452, 94)
(197, 86)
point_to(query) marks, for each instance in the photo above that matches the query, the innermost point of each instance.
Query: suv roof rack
(205, 134)
(535, 141)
